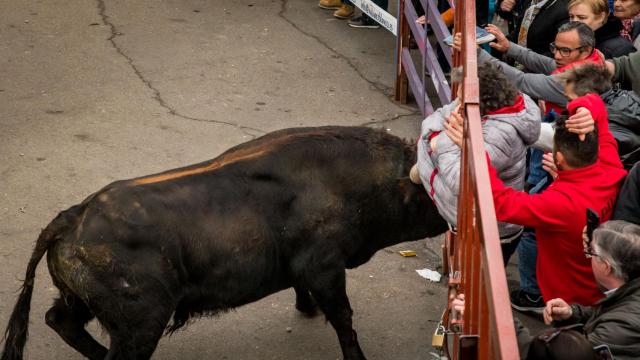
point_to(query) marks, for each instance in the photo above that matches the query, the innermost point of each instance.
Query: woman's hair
(597, 6)
(496, 91)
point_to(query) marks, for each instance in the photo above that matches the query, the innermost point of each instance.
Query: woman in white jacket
(510, 123)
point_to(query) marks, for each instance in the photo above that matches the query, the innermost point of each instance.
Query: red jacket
(559, 213)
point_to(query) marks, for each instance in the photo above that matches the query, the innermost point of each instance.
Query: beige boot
(330, 4)
(413, 175)
(345, 12)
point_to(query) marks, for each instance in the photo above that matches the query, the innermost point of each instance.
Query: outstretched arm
(533, 61)
(538, 86)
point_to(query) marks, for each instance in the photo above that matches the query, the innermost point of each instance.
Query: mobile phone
(593, 221)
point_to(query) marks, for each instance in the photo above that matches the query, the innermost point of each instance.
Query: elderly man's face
(567, 48)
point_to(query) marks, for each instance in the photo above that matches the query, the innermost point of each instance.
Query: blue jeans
(528, 249)
(527, 257)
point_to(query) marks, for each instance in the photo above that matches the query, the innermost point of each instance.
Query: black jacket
(609, 41)
(629, 198)
(544, 26)
(513, 17)
(615, 321)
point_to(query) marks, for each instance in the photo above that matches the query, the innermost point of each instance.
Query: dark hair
(586, 35)
(562, 343)
(577, 153)
(618, 242)
(588, 78)
(496, 91)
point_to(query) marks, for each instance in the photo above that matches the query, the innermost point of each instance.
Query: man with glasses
(614, 253)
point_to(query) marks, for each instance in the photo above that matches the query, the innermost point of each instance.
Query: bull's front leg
(328, 288)
(304, 303)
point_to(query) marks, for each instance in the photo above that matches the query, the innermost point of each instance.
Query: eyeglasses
(551, 334)
(564, 51)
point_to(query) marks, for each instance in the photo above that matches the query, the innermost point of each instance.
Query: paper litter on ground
(429, 274)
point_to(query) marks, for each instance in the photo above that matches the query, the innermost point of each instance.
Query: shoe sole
(328, 7)
(343, 17)
(538, 311)
(365, 26)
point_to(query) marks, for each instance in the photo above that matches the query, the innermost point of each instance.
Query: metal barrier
(472, 258)
(407, 75)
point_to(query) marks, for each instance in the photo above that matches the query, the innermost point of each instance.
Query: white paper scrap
(429, 274)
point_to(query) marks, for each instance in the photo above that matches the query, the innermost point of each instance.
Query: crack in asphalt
(384, 89)
(393, 118)
(247, 130)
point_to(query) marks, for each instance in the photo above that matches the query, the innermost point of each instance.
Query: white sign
(378, 14)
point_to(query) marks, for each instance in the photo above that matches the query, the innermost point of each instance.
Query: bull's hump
(247, 151)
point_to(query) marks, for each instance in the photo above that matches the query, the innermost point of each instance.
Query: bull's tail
(16, 334)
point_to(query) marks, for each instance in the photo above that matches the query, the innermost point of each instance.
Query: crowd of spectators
(559, 92)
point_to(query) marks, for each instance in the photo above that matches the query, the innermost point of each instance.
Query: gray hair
(618, 242)
(586, 35)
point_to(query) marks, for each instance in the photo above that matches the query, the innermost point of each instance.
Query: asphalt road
(95, 91)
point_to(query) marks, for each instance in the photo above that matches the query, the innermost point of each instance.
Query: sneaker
(330, 4)
(482, 37)
(363, 21)
(345, 12)
(523, 301)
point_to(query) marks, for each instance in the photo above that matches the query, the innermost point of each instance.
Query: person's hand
(434, 142)
(457, 42)
(507, 5)
(581, 123)
(556, 309)
(502, 43)
(611, 67)
(421, 20)
(454, 126)
(549, 165)
(457, 304)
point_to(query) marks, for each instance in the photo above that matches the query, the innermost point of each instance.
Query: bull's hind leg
(68, 318)
(304, 302)
(135, 326)
(328, 287)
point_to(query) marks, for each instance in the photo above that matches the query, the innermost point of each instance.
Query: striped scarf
(527, 19)
(627, 27)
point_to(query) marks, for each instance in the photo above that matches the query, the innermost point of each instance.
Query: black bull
(293, 208)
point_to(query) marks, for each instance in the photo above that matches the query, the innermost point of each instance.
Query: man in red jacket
(589, 176)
